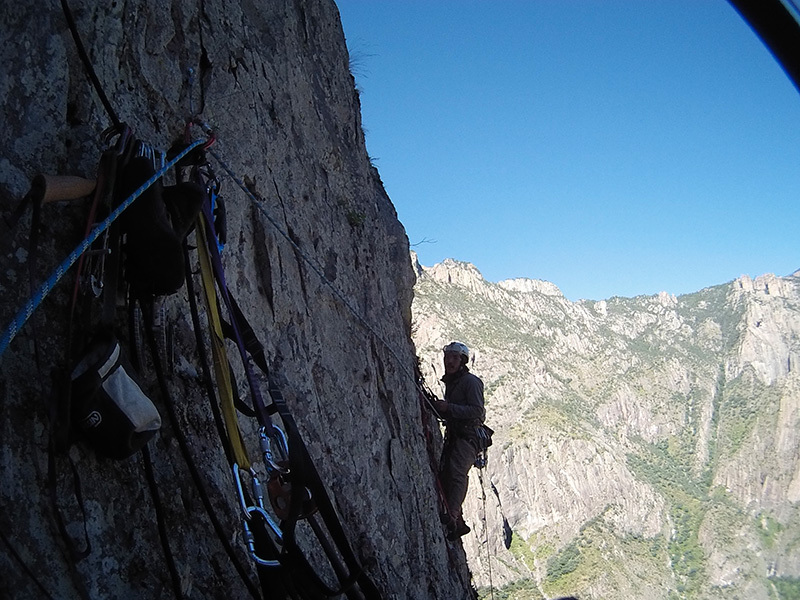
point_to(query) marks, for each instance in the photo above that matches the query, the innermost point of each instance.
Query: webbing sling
(205, 363)
(262, 412)
(303, 577)
(303, 475)
(221, 365)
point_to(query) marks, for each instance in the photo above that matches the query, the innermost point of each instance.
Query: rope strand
(486, 532)
(314, 267)
(87, 64)
(33, 303)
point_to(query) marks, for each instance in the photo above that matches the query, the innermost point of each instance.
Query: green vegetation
(527, 551)
(492, 386)
(788, 588)
(356, 218)
(601, 552)
(661, 466)
(655, 465)
(563, 563)
(686, 556)
(768, 529)
(522, 589)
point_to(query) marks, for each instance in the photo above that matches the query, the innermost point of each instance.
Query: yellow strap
(221, 365)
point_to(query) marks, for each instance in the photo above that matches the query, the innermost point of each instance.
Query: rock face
(272, 79)
(645, 447)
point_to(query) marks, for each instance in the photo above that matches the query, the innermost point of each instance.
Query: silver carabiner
(276, 530)
(251, 540)
(266, 448)
(258, 492)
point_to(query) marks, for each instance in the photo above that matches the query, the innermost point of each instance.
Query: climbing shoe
(457, 529)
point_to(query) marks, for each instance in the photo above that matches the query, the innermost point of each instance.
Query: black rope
(74, 554)
(160, 521)
(147, 311)
(486, 532)
(208, 382)
(87, 64)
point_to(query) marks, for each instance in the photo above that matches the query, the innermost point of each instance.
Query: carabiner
(251, 539)
(257, 490)
(266, 449)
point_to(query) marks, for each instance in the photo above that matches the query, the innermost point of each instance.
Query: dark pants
(458, 456)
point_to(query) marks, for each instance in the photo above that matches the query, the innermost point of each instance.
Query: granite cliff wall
(272, 79)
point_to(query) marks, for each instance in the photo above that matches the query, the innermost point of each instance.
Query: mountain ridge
(667, 420)
(451, 265)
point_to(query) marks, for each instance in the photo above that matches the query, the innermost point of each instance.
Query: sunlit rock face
(642, 444)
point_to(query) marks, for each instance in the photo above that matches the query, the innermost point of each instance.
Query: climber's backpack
(154, 227)
(108, 406)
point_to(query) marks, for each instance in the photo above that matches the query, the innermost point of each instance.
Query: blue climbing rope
(33, 303)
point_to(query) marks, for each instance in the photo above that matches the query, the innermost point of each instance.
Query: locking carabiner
(266, 449)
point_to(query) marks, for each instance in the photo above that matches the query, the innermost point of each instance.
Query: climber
(463, 412)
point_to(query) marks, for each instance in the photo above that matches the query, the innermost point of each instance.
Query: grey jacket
(464, 394)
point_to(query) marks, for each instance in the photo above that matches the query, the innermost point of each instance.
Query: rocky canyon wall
(645, 447)
(272, 80)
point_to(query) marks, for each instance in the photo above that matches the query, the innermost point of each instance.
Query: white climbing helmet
(457, 347)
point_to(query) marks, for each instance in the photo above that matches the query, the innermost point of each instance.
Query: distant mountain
(645, 447)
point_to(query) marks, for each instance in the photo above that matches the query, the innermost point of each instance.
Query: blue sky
(612, 147)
